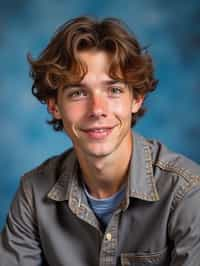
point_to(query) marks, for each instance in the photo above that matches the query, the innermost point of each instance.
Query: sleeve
(19, 240)
(184, 230)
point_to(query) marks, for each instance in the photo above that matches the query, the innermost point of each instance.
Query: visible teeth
(99, 130)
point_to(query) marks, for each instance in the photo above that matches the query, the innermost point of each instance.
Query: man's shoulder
(171, 161)
(174, 168)
(168, 160)
(49, 170)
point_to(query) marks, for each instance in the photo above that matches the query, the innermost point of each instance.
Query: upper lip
(97, 128)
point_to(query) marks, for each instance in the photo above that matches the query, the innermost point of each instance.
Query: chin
(99, 151)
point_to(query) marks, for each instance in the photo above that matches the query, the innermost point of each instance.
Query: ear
(53, 108)
(137, 103)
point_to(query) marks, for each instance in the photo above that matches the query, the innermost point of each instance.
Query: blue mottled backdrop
(170, 28)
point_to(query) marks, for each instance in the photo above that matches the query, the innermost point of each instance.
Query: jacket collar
(141, 182)
(67, 179)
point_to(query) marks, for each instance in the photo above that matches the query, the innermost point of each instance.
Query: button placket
(109, 243)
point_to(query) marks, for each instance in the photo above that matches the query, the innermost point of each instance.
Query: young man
(115, 198)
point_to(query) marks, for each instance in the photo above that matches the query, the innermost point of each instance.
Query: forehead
(97, 66)
(95, 60)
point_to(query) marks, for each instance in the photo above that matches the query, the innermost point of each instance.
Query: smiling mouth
(98, 133)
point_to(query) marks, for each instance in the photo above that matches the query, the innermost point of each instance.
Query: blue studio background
(170, 28)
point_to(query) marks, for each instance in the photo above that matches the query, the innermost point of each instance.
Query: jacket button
(108, 236)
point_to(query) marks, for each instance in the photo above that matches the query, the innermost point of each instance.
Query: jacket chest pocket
(145, 259)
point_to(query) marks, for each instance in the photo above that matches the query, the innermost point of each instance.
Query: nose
(98, 106)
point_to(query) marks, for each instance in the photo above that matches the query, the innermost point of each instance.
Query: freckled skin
(97, 115)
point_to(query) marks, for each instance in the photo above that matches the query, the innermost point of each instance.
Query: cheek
(71, 115)
(123, 111)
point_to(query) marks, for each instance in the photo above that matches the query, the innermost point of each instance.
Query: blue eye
(77, 94)
(115, 91)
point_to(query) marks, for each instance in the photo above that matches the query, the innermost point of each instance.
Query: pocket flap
(160, 258)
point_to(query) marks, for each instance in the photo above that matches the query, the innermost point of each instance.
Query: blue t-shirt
(104, 208)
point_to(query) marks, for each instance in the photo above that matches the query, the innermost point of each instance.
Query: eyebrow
(72, 85)
(104, 83)
(112, 82)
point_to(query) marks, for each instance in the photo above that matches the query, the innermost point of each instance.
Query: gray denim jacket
(158, 223)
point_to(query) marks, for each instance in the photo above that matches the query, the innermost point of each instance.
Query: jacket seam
(183, 172)
(190, 181)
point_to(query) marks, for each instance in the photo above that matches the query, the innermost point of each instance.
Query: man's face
(96, 113)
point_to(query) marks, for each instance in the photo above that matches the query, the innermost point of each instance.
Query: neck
(105, 175)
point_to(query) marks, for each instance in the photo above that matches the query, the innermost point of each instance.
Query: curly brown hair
(59, 65)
